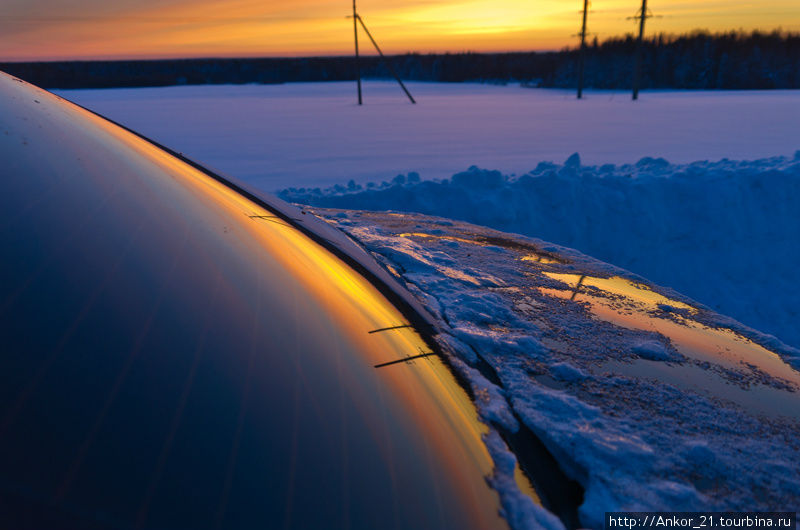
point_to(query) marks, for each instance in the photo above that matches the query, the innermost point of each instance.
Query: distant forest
(734, 60)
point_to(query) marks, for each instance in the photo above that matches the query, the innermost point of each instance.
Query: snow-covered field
(313, 134)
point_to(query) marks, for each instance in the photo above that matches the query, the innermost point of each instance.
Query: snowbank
(724, 233)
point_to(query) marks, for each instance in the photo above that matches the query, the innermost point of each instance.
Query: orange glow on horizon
(92, 29)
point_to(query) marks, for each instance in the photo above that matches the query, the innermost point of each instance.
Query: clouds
(170, 28)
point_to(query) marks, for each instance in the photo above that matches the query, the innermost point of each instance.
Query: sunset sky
(92, 29)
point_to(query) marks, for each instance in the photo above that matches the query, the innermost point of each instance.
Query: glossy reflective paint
(175, 356)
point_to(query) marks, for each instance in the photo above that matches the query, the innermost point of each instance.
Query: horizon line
(334, 55)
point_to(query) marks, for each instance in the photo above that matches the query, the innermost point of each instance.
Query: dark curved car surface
(174, 355)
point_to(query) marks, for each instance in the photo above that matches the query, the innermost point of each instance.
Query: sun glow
(55, 29)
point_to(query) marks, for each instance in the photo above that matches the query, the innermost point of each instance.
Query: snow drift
(724, 233)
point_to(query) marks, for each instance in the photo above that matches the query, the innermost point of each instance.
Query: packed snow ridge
(724, 233)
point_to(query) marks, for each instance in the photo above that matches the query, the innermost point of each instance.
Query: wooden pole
(637, 69)
(582, 52)
(385, 61)
(358, 66)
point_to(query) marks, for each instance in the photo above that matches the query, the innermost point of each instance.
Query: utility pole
(637, 68)
(355, 36)
(582, 52)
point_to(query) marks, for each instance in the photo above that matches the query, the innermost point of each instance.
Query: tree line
(700, 60)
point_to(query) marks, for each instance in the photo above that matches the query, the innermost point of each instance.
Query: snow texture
(634, 442)
(724, 233)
